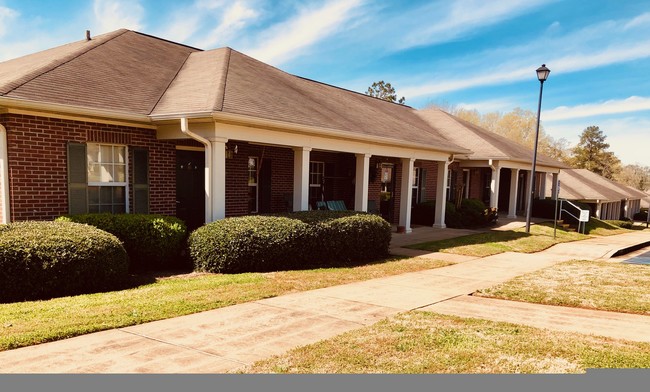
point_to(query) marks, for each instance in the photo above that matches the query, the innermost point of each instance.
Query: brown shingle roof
(582, 184)
(122, 71)
(484, 144)
(133, 73)
(229, 81)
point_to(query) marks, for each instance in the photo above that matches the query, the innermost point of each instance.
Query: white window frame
(415, 186)
(449, 174)
(256, 184)
(101, 184)
(317, 164)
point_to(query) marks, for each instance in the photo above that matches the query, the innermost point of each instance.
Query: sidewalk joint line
(183, 346)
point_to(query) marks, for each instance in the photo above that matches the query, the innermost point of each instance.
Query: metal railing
(579, 218)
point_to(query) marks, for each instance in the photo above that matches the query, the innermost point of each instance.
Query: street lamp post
(542, 75)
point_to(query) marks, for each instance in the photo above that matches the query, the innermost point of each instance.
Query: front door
(190, 187)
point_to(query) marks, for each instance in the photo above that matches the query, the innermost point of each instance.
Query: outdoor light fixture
(542, 75)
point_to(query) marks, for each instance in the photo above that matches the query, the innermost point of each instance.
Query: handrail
(562, 209)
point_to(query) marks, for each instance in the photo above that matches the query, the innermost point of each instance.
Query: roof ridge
(218, 104)
(96, 42)
(162, 94)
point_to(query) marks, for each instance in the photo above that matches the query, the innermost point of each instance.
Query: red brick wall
(38, 169)
(281, 160)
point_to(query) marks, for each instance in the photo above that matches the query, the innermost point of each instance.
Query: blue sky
(469, 53)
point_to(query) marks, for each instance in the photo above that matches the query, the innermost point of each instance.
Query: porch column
(512, 206)
(599, 207)
(218, 177)
(406, 191)
(494, 186)
(441, 195)
(528, 180)
(361, 182)
(542, 185)
(301, 178)
(555, 190)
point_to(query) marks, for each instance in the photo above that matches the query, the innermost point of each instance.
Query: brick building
(127, 122)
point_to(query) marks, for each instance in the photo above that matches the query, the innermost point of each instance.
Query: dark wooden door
(190, 187)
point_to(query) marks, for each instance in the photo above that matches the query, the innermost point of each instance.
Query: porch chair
(372, 207)
(321, 205)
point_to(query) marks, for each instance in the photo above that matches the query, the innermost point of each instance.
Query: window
(316, 181)
(449, 184)
(466, 183)
(98, 178)
(415, 186)
(253, 198)
(107, 178)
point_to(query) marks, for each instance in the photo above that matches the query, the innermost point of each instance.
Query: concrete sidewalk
(226, 339)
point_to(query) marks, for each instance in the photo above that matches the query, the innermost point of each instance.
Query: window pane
(92, 152)
(119, 153)
(119, 209)
(106, 174)
(120, 173)
(93, 195)
(105, 208)
(105, 194)
(93, 209)
(94, 173)
(106, 154)
(118, 195)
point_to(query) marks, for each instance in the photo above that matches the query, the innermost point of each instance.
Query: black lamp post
(542, 75)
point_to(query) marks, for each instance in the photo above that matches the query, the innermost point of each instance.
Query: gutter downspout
(4, 176)
(185, 128)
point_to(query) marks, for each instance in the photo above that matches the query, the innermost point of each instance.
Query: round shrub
(45, 259)
(250, 243)
(152, 241)
(291, 241)
(641, 216)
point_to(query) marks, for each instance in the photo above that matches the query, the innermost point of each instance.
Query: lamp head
(542, 73)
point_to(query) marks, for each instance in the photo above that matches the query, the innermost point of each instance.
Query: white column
(599, 207)
(541, 193)
(441, 195)
(361, 182)
(301, 178)
(556, 188)
(4, 177)
(218, 172)
(494, 186)
(406, 195)
(514, 185)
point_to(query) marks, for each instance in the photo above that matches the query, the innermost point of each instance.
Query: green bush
(641, 216)
(624, 224)
(152, 241)
(45, 259)
(291, 241)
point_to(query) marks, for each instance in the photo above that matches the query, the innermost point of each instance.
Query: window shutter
(423, 185)
(140, 181)
(77, 179)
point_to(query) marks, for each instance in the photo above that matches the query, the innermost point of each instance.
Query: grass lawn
(586, 284)
(494, 242)
(424, 342)
(28, 323)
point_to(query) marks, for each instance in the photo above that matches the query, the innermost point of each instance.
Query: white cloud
(435, 24)
(285, 40)
(614, 106)
(491, 105)
(6, 16)
(116, 14)
(235, 18)
(641, 20)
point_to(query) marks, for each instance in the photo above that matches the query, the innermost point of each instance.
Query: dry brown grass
(424, 342)
(604, 285)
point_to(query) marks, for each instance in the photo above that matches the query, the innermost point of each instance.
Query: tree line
(591, 152)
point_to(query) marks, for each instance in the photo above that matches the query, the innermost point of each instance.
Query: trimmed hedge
(152, 241)
(623, 224)
(291, 241)
(472, 213)
(641, 216)
(44, 259)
